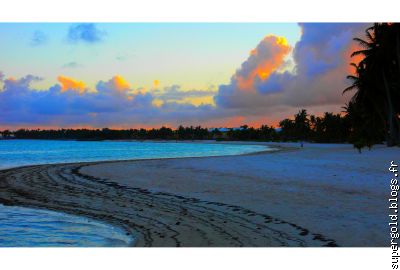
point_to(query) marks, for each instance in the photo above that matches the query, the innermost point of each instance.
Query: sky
(130, 75)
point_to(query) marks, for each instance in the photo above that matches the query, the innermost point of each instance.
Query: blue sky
(191, 55)
(152, 74)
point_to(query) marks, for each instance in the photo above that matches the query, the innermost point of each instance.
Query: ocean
(15, 153)
(26, 227)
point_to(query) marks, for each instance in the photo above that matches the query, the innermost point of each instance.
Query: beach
(319, 195)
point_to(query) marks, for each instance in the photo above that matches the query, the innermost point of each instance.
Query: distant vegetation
(372, 115)
(327, 128)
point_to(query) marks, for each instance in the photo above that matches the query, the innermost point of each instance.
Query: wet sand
(321, 195)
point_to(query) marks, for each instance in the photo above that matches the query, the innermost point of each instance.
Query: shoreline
(271, 150)
(150, 199)
(30, 200)
(212, 235)
(54, 227)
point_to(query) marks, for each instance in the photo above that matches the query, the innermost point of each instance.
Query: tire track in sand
(153, 218)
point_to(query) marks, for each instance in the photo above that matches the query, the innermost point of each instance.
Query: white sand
(328, 189)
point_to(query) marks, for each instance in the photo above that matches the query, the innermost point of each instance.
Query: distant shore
(319, 195)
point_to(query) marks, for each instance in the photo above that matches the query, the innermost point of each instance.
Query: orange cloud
(71, 84)
(266, 58)
(120, 84)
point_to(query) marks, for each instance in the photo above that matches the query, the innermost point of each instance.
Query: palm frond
(370, 36)
(351, 77)
(352, 87)
(354, 65)
(362, 43)
(363, 52)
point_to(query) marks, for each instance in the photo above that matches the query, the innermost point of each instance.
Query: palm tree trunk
(393, 129)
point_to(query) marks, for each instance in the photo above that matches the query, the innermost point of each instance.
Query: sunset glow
(147, 75)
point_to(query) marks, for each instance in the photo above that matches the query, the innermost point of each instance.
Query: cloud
(274, 83)
(266, 88)
(72, 65)
(85, 32)
(263, 60)
(113, 104)
(321, 58)
(318, 50)
(116, 83)
(24, 82)
(13, 97)
(38, 38)
(174, 93)
(69, 84)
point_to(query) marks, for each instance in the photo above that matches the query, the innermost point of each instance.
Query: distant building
(224, 129)
(222, 132)
(6, 135)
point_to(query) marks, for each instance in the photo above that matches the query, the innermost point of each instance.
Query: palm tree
(366, 95)
(376, 79)
(302, 125)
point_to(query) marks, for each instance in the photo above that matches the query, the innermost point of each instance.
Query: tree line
(327, 128)
(163, 133)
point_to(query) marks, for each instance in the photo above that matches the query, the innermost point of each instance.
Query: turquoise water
(15, 153)
(24, 227)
